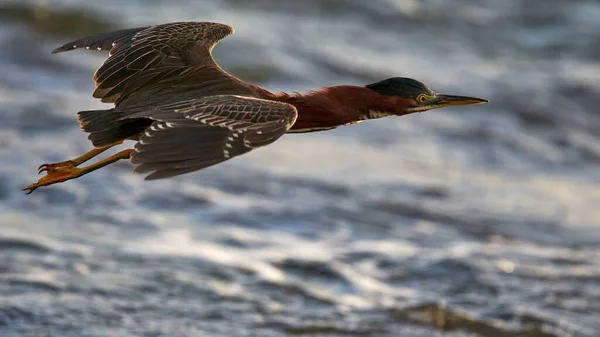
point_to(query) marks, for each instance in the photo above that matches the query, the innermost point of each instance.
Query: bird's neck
(331, 107)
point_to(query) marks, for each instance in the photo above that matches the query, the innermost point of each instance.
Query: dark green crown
(401, 87)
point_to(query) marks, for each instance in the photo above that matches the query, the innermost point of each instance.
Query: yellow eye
(421, 98)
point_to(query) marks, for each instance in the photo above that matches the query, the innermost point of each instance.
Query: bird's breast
(374, 114)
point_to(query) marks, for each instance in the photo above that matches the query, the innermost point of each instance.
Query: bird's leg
(71, 172)
(76, 161)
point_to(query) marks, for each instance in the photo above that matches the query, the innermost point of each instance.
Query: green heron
(186, 113)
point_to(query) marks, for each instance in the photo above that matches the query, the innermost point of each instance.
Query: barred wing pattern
(189, 136)
(140, 55)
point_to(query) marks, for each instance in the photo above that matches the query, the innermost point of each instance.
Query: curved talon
(29, 188)
(55, 176)
(56, 166)
(42, 168)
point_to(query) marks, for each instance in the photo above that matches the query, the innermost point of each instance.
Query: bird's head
(421, 98)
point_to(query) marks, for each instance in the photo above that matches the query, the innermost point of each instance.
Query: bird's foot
(56, 166)
(56, 173)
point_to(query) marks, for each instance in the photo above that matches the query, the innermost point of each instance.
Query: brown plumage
(186, 113)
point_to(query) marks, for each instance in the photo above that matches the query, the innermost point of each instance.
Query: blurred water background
(476, 221)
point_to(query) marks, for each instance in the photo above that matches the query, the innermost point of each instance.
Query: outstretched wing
(188, 136)
(138, 56)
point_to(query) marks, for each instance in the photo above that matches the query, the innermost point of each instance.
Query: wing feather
(196, 134)
(103, 42)
(147, 52)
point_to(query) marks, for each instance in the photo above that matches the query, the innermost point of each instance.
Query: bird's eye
(421, 98)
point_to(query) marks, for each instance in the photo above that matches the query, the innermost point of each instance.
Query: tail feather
(107, 127)
(96, 120)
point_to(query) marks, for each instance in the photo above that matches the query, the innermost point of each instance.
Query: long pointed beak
(450, 100)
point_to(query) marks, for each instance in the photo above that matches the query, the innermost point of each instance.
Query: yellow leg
(65, 173)
(77, 161)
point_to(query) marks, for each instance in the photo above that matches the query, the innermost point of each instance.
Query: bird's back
(191, 83)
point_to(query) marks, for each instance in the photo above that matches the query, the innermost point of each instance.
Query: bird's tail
(107, 127)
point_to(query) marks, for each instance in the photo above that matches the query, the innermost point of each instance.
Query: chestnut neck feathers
(331, 107)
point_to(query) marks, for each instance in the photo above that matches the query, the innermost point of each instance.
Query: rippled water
(480, 221)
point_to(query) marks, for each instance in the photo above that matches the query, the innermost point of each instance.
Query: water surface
(476, 221)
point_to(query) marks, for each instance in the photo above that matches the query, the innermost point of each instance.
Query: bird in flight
(186, 113)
